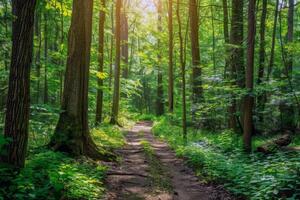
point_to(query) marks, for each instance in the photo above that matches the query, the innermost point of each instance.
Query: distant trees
(17, 107)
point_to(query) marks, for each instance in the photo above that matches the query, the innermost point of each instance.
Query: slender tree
(262, 58)
(99, 103)
(124, 40)
(171, 70)
(17, 107)
(182, 66)
(46, 95)
(249, 99)
(160, 88)
(197, 89)
(226, 35)
(116, 96)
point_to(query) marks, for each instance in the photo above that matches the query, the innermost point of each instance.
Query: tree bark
(99, 103)
(226, 36)
(237, 57)
(171, 48)
(182, 66)
(124, 41)
(160, 89)
(249, 99)
(72, 131)
(46, 95)
(116, 96)
(197, 89)
(262, 59)
(17, 107)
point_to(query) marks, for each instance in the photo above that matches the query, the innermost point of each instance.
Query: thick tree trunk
(249, 99)
(197, 89)
(171, 70)
(116, 96)
(17, 107)
(72, 131)
(160, 89)
(99, 106)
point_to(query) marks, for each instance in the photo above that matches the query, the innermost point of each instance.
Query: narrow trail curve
(131, 179)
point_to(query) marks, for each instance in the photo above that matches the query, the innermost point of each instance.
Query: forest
(149, 99)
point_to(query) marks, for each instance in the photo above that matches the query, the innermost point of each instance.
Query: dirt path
(150, 170)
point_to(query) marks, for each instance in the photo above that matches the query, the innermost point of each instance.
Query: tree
(197, 90)
(116, 96)
(182, 66)
(160, 88)
(226, 35)
(287, 110)
(17, 107)
(124, 40)
(249, 99)
(72, 132)
(99, 106)
(262, 58)
(171, 70)
(237, 73)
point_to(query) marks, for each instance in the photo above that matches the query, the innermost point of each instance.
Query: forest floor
(150, 170)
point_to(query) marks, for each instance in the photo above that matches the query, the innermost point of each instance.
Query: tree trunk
(249, 99)
(99, 106)
(237, 57)
(287, 109)
(116, 96)
(171, 70)
(226, 36)
(160, 89)
(46, 96)
(262, 58)
(197, 90)
(72, 131)
(17, 107)
(124, 42)
(182, 66)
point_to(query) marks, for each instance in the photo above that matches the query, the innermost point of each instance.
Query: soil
(159, 175)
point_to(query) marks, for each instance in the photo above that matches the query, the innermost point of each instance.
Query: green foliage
(50, 175)
(218, 157)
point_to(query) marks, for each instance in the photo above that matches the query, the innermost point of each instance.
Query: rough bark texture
(197, 90)
(116, 95)
(99, 106)
(72, 131)
(171, 47)
(17, 114)
(160, 89)
(249, 99)
(237, 73)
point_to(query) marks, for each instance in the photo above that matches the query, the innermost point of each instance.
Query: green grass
(218, 157)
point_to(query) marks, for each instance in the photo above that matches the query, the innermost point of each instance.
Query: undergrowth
(218, 157)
